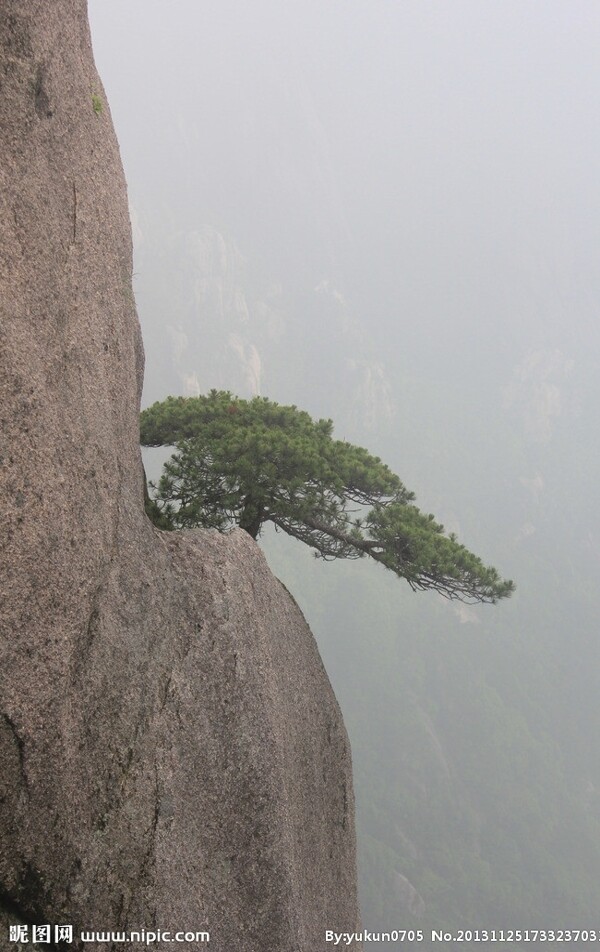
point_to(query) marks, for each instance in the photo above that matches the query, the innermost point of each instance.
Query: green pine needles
(248, 462)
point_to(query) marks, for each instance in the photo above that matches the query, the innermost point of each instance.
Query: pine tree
(248, 462)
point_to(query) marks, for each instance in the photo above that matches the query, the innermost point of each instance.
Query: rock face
(171, 753)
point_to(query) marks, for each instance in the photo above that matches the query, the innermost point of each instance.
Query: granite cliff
(171, 752)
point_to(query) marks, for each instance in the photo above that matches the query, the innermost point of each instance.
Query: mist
(388, 214)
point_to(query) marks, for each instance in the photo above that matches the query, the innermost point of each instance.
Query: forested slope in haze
(387, 215)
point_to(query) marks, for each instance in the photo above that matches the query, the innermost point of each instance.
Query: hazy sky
(433, 164)
(450, 150)
(409, 188)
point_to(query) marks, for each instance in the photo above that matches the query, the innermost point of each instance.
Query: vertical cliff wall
(171, 753)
